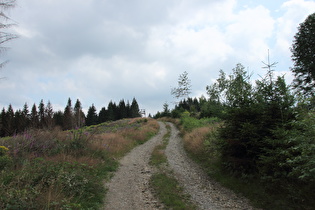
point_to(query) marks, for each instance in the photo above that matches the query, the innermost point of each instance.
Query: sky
(99, 51)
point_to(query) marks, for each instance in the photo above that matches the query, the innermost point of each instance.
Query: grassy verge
(166, 187)
(200, 141)
(65, 169)
(158, 157)
(169, 192)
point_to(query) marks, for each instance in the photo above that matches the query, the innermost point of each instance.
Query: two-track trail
(129, 188)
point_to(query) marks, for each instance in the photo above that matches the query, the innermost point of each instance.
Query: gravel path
(205, 193)
(129, 188)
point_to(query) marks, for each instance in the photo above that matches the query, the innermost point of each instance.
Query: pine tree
(128, 108)
(25, 117)
(134, 109)
(58, 118)
(122, 111)
(34, 117)
(2, 123)
(41, 114)
(68, 116)
(102, 116)
(10, 121)
(91, 118)
(49, 113)
(111, 110)
(79, 116)
(18, 121)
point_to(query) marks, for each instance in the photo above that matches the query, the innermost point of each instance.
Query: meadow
(55, 169)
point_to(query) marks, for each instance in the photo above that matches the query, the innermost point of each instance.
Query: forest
(43, 116)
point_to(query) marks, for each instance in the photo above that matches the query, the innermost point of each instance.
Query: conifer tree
(25, 117)
(102, 116)
(134, 109)
(9, 125)
(34, 117)
(49, 113)
(41, 114)
(91, 118)
(18, 121)
(111, 110)
(58, 118)
(68, 116)
(128, 109)
(2, 122)
(122, 111)
(79, 116)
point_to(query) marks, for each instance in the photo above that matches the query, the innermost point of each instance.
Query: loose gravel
(204, 192)
(129, 188)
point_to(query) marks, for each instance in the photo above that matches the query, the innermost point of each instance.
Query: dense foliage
(13, 122)
(303, 55)
(267, 133)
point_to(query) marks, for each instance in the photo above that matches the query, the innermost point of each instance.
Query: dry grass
(114, 143)
(194, 141)
(201, 140)
(63, 157)
(120, 142)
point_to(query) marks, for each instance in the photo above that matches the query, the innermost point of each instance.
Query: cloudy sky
(102, 50)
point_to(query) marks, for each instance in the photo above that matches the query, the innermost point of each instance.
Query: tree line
(268, 132)
(43, 116)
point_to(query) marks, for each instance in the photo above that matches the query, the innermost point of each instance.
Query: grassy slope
(65, 169)
(200, 141)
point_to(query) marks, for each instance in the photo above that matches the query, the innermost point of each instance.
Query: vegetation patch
(158, 156)
(54, 169)
(169, 192)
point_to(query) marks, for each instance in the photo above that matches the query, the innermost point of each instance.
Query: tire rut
(204, 192)
(129, 187)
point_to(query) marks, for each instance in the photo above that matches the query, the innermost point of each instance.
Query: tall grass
(202, 145)
(56, 169)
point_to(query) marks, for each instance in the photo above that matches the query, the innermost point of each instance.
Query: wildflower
(3, 150)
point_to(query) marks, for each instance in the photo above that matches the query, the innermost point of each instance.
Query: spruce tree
(79, 116)
(122, 111)
(91, 118)
(102, 116)
(41, 114)
(2, 122)
(58, 118)
(25, 116)
(18, 121)
(10, 121)
(68, 116)
(49, 114)
(134, 109)
(111, 110)
(34, 117)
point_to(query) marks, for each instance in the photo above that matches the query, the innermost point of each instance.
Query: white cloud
(295, 12)
(107, 50)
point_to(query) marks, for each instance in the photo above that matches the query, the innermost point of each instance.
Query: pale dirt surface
(129, 187)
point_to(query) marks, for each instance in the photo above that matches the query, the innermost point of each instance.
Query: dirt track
(129, 187)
